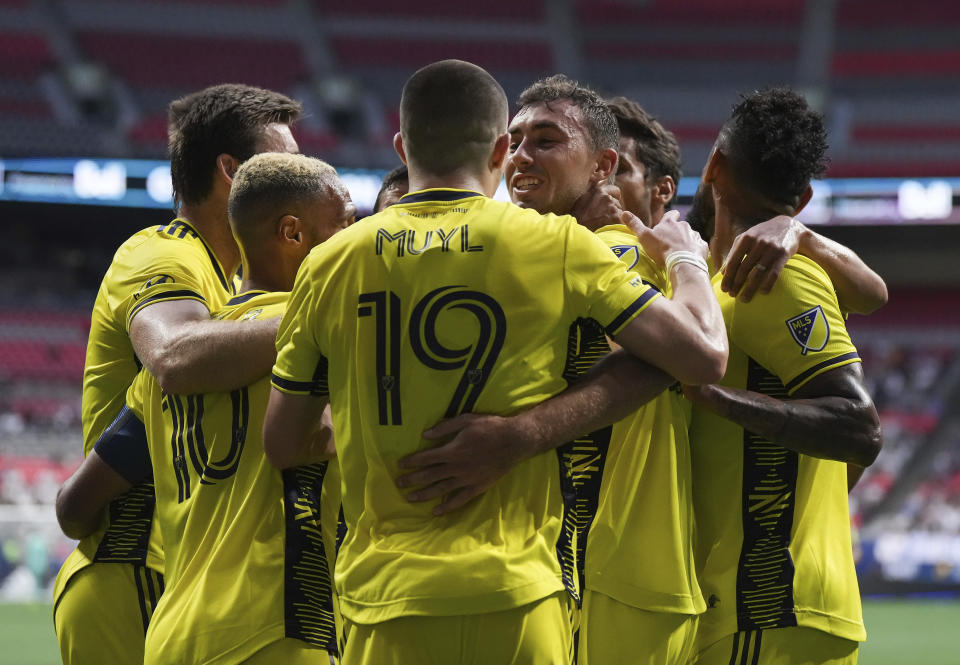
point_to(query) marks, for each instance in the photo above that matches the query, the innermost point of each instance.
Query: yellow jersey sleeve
(297, 344)
(163, 275)
(625, 246)
(798, 330)
(605, 289)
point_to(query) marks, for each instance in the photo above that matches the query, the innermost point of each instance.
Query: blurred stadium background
(84, 86)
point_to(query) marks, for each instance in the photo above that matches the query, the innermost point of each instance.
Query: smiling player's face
(550, 162)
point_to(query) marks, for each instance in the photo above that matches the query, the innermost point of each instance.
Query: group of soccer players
(543, 431)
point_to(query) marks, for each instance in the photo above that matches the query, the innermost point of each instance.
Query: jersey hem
(848, 629)
(495, 601)
(643, 599)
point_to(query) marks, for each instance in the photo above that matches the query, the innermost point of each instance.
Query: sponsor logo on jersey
(153, 281)
(810, 330)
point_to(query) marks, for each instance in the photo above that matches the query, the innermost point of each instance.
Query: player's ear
(606, 165)
(227, 166)
(290, 229)
(664, 189)
(398, 146)
(715, 163)
(500, 149)
(804, 199)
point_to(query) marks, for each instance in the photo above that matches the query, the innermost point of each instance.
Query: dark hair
(226, 118)
(657, 148)
(776, 143)
(399, 174)
(599, 122)
(451, 114)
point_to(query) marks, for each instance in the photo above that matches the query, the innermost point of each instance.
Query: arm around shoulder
(188, 352)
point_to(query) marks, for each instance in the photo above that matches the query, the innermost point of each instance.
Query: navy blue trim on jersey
(625, 315)
(442, 196)
(166, 295)
(244, 297)
(316, 388)
(803, 376)
(123, 446)
(768, 498)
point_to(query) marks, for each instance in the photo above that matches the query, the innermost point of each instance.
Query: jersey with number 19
(445, 303)
(248, 548)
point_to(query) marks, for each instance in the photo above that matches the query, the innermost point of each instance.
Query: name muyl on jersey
(445, 303)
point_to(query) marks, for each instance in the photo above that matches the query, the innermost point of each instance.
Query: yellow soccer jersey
(445, 303)
(635, 475)
(249, 550)
(169, 262)
(773, 529)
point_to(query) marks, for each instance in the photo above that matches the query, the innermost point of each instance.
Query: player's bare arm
(759, 254)
(120, 459)
(85, 495)
(189, 353)
(297, 430)
(684, 336)
(831, 416)
(485, 447)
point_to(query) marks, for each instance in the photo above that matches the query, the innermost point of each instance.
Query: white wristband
(683, 256)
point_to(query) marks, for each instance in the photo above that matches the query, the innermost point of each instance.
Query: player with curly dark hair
(773, 441)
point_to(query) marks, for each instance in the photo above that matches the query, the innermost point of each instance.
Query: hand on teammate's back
(671, 234)
(758, 256)
(599, 206)
(476, 451)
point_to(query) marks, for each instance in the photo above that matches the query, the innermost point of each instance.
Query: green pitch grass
(901, 632)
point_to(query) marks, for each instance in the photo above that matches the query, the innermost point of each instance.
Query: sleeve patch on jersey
(810, 330)
(629, 254)
(156, 279)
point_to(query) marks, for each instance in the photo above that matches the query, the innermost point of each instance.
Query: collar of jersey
(221, 273)
(438, 194)
(245, 296)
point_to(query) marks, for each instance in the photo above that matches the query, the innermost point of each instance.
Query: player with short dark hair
(395, 184)
(771, 441)
(444, 303)
(641, 613)
(562, 130)
(153, 310)
(224, 119)
(649, 166)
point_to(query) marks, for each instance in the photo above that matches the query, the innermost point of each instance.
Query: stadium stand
(884, 76)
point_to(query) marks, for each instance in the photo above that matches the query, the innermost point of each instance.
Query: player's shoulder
(801, 268)
(174, 241)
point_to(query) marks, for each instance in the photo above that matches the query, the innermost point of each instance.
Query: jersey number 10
(477, 358)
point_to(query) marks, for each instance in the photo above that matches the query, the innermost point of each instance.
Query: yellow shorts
(290, 651)
(781, 646)
(102, 615)
(612, 632)
(536, 634)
